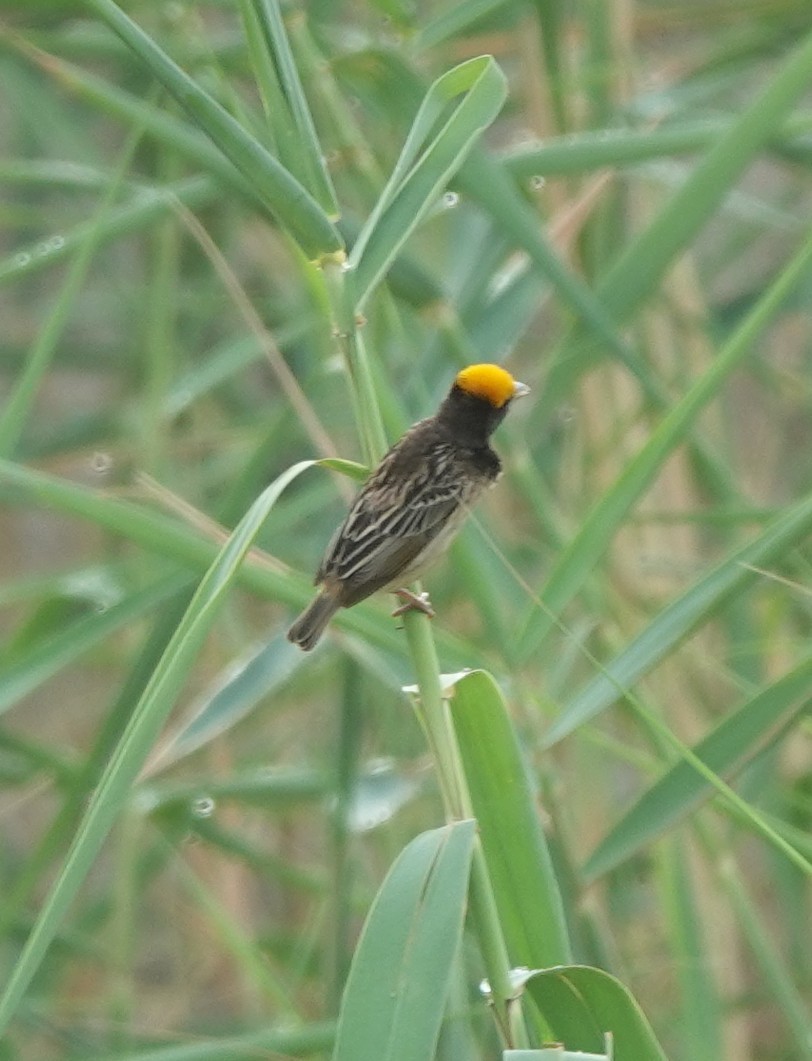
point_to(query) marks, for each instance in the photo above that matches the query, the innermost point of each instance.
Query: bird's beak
(520, 389)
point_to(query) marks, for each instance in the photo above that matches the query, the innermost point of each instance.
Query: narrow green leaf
(737, 739)
(53, 173)
(48, 657)
(452, 21)
(552, 1053)
(676, 621)
(165, 128)
(257, 1045)
(17, 408)
(146, 207)
(583, 1004)
(290, 203)
(256, 677)
(429, 157)
(294, 131)
(265, 786)
(352, 469)
(504, 804)
(770, 959)
(53, 842)
(644, 261)
(484, 181)
(579, 557)
(642, 264)
(397, 987)
(137, 740)
(597, 148)
(700, 1010)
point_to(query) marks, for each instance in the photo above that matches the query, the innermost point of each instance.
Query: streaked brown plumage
(416, 499)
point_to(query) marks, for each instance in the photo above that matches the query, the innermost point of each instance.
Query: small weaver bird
(414, 502)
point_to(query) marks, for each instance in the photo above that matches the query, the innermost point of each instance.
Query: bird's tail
(311, 624)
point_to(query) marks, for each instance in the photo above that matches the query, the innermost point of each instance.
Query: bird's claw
(417, 602)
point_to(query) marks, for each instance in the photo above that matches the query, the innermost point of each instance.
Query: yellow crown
(490, 382)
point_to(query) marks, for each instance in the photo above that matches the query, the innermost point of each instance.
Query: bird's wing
(393, 519)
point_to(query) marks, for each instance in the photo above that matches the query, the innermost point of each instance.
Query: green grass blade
(453, 20)
(701, 1010)
(552, 1053)
(487, 183)
(770, 960)
(254, 678)
(256, 1045)
(138, 739)
(583, 1004)
(167, 129)
(680, 618)
(18, 405)
(730, 746)
(396, 991)
(643, 263)
(286, 104)
(264, 786)
(48, 657)
(430, 156)
(516, 853)
(146, 207)
(27, 173)
(53, 842)
(590, 150)
(290, 203)
(579, 557)
(155, 531)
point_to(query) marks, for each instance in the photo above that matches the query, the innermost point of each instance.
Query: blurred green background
(631, 238)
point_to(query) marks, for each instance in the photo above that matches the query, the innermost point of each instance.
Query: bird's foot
(412, 602)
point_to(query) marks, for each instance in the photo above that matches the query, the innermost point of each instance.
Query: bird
(414, 502)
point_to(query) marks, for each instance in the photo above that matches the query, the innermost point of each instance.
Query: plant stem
(435, 717)
(345, 331)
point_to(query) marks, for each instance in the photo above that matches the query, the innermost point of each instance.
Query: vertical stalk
(159, 332)
(345, 331)
(350, 723)
(124, 920)
(435, 718)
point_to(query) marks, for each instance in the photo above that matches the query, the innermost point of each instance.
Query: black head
(478, 402)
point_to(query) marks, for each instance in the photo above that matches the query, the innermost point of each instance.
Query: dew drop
(450, 200)
(203, 807)
(566, 414)
(526, 139)
(537, 182)
(101, 463)
(22, 259)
